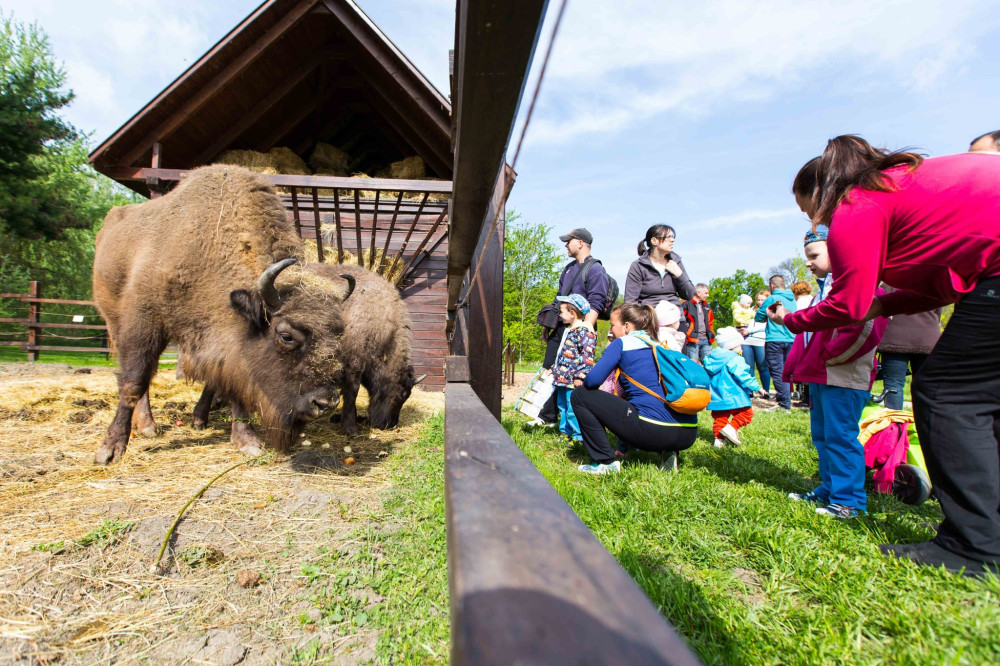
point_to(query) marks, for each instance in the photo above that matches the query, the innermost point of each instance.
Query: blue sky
(693, 114)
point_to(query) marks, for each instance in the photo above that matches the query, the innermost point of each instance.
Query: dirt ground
(77, 541)
(511, 393)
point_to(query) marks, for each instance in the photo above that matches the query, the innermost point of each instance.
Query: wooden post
(34, 316)
(155, 185)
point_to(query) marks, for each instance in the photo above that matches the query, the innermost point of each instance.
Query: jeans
(596, 410)
(696, 351)
(834, 422)
(956, 405)
(754, 356)
(567, 419)
(894, 367)
(776, 353)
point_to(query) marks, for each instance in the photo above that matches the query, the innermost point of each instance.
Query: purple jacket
(596, 289)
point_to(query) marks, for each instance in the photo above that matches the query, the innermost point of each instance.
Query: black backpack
(609, 302)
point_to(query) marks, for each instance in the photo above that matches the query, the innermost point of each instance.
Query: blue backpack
(684, 382)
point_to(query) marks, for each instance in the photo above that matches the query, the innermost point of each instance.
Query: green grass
(15, 355)
(749, 577)
(400, 556)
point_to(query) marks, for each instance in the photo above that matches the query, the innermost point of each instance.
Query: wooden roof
(292, 73)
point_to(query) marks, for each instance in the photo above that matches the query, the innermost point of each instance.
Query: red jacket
(843, 356)
(689, 311)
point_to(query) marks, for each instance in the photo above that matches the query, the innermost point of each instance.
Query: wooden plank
(206, 92)
(37, 348)
(295, 211)
(357, 228)
(423, 244)
(340, 241)
(98, 327)
(34, 316)
(319, 236)
(528, 582)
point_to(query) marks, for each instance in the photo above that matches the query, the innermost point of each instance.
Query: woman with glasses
(658, 274)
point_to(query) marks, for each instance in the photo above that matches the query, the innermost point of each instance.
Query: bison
(375, 350)
(210, 266)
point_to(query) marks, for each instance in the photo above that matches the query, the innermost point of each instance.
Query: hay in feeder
(388, 266)
(410, 168)
(329, 160)
(287, 162)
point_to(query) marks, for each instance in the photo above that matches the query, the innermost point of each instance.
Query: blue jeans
(696, 351)
(567, 419)
(754, 356)
(894, 368)
(834, 421)
(776, 353)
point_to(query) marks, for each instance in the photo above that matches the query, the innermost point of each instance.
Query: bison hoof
(106, 454)
(251, 450)
(199, 424)
(151, 431)
(351, 431)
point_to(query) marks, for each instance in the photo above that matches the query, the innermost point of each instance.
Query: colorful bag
(684, 382)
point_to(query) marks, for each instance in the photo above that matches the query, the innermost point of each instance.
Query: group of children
(838, 365)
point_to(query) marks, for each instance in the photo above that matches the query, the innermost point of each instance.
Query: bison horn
(419, 379)
(265, 285)
(351, 284)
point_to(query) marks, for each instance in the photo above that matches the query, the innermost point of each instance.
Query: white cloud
(618, 63)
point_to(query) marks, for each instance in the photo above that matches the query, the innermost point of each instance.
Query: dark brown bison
(209, 266)
(375, 350)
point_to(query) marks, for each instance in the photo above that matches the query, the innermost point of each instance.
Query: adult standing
(906, 344)
(778, 339)
(658, 274)
(585, 276)
(930, 228)
(700, 324)
(753, 347)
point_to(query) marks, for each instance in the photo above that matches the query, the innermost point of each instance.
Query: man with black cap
(585, 276)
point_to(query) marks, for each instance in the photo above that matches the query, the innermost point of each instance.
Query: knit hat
(745, 300)
(667, 313)
(577, 301)
(728, 338)
(815, 235)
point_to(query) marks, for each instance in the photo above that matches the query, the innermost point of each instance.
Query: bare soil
(77, 541)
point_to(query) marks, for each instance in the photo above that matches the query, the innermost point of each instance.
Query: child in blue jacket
(732, 384)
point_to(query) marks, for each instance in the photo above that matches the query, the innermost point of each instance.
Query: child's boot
(729, 432)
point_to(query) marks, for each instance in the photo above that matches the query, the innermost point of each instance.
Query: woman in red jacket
(930, 228)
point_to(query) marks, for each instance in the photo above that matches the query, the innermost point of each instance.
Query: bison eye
(286, 341)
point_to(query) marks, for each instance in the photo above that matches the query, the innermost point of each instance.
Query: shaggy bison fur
(209, 266)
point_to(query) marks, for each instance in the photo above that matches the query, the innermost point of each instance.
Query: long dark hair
(643, 317)
(849, 161)
(804, 184)
(655, 231)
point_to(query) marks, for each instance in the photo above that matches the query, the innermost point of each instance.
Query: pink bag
(884, 452)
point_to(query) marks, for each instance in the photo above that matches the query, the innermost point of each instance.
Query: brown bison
(375, 350)
(209, 266)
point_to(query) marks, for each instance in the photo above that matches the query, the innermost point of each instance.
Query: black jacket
(645, 286)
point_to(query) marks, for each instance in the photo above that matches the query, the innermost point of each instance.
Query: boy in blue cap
(574, 359)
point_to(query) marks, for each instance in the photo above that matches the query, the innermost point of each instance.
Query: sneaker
(719, 444)
(839, 511)
(536, 422)
(805, 497)
(729, 432)
(601, 468)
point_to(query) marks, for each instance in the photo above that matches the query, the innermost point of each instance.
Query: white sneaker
(601, 468)
(719, 444)
(537, 422)
(729, 432)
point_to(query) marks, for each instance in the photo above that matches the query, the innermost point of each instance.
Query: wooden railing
(528, 582)
(57, 325)
(509, 362)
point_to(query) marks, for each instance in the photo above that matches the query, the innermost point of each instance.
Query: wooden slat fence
(509, 362)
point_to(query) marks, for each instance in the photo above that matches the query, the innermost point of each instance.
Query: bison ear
(250, 306)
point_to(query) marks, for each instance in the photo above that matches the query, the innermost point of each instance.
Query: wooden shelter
(295, 75)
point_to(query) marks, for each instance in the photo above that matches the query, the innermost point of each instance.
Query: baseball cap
(577, 301)
(582, 234)
(814, 235)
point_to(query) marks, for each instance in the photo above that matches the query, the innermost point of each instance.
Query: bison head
(387, 391)
(289, 354)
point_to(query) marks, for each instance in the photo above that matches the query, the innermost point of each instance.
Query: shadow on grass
(733, 465)
(682, 602)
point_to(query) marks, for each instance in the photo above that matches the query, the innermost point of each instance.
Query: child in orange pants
(732, 384)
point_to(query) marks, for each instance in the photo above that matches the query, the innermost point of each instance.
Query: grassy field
(749, 577)
(14, 355)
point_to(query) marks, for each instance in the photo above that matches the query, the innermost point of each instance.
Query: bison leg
(349, 412)
(243, 437)
(142, 418)
(204, 406)
(138, 357)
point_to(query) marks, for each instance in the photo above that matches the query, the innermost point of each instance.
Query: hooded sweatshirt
(729, 379)
(776, 332)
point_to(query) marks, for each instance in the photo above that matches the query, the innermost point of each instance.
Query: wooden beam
(495, 45)
(294, 120)
(406, 125)
(212, 88)
(250, 117)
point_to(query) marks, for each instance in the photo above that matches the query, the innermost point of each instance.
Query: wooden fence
(37, 327)
(509, 362)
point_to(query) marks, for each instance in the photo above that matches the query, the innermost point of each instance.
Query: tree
(34, 141)
(530, 281)
(794, 270)
(722, 292)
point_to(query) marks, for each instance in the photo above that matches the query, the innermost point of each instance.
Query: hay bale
(364, 194)
(251, 159)
(329, 158)
(287, 162)
(410, 168)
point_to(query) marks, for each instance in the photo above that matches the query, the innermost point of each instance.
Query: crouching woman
(639, 418)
